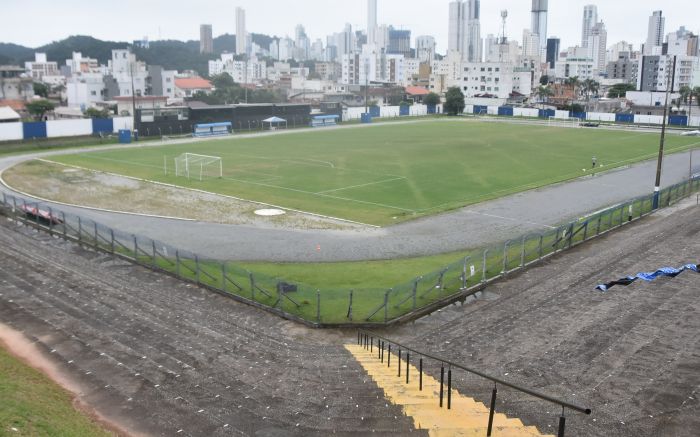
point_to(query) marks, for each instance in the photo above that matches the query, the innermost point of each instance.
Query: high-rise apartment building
(590, 18)
(371, 21)
(241, 34)
(539, 22)
(597, 46)
(425, 48)
(399, 42)
(206, 41)
(465, 29)
(655, 35)
(553, 46)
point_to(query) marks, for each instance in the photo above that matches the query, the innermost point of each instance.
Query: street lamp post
(659, 163)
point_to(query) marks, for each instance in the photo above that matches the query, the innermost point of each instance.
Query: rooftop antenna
(504, 16)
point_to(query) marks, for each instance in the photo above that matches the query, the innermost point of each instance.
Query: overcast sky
(37, 22)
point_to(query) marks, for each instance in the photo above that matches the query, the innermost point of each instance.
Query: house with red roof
(189, 86)
(416, 93)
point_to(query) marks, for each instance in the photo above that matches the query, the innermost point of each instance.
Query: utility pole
(659, 165)
(133, 93)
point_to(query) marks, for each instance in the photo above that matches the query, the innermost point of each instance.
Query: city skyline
(622, 22)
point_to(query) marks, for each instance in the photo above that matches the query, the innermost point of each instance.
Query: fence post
(464, 273)
(177, 263)
(252, 285)
(111, 241)
(80, 231)
(97, 241)
(597, 228)
(223, 276)
(442, 381)
(483, 270)
(318, 306)
(522, 253)
(585, 231)
(449, 388)
(386, 305)
(65, 230)
(50, 221)
(350, 307)
(622, 215)
(136, 249)
(153, 245)
(539, 250)
(415, 292)
(505, 257)
(196, 264)
(562, 424)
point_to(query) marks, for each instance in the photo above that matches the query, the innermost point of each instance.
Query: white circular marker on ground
(269, 212)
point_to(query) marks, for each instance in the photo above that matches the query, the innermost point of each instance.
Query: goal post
(564, 121)
(193, 165)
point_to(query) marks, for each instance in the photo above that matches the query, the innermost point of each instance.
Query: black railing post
(380, 348)
(398, 364)
(358, 337)
(408, 360)
(562, 424)
(371, 344)
(491, 411)
(449, 388)
(420, 374)
(442, 381)
(388, 356)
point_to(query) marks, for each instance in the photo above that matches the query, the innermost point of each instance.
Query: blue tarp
(649, 276)
(35, 129)
(505, 110)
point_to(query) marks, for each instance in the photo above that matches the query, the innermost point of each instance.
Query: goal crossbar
(194, 164)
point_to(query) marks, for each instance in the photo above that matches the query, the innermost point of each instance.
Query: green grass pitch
(390, 173)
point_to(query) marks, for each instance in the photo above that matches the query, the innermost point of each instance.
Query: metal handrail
(494, 379)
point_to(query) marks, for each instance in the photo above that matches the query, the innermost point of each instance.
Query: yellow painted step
(467, 417)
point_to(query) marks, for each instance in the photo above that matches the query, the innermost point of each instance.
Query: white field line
(255, 202)
(361, 185)
(294, 161)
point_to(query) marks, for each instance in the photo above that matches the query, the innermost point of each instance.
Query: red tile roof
(17, 105)
(193, 83)
(417, 91)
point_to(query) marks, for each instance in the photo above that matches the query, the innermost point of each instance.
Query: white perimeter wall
(600, 116)
(123, 123)
(68, 128)
(11, 131)
(649, 119)
(526, 112)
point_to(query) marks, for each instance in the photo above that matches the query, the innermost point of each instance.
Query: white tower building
(241, 34)
(590, 18)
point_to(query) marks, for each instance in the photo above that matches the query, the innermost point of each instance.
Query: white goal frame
(564, 122)
(192, 164)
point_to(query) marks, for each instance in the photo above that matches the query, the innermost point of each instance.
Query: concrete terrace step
(466, 417)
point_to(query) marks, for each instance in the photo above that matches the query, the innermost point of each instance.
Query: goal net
(564, 122)
(194, 166)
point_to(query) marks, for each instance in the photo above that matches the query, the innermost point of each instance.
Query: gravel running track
(473, 226)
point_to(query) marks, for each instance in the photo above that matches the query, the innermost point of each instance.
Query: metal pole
(196, 262)
(350, 306)
(491, 411)
(522, 253)
(111, 235)
(415, 292)
(505, 257)
(252, 285)
(80, 230)
(562, 424)
(399, 363)
(386, 305)
(223, 276)
(153, 244)
(388, 356)
(420, 374)
(408, 360)
(318, 306)
(177, 263)
(483, 271)
(442, 381)
(449, 388)
(659, 164)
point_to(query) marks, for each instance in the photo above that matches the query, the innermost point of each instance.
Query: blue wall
(505, 110)
(35, 129)
(678, 120)
(432, 109)
(404, 110)
(479, 109)
(374, 111)
(581, 115)
(546, 113)
(624, 118)
(102, 125)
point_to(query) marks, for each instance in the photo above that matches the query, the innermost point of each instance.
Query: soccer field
(390, 173)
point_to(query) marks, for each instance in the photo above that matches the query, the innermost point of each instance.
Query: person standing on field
(594, 161)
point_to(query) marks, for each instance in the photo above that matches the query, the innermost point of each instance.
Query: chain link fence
(316, 306)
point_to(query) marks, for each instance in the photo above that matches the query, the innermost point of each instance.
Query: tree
(544, 80)
(574, 83)
(543, 93)
(41, 90)
(694, 94)
(431, 99)
(38, 108)
(590, 87)
(96, 113)
(619, 90)
(222, 81)
(454, 101)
